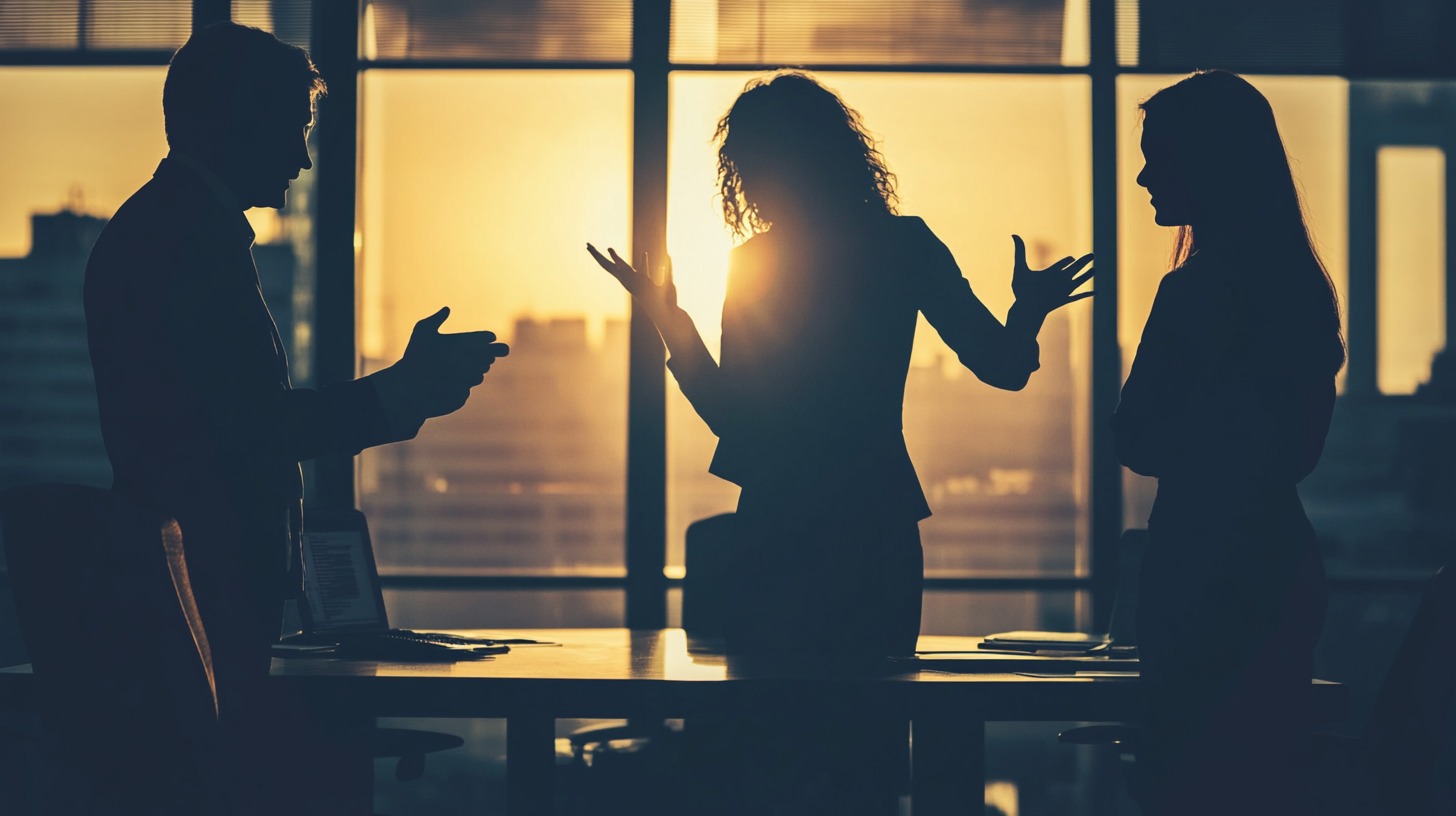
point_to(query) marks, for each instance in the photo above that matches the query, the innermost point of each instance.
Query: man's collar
(219, 189)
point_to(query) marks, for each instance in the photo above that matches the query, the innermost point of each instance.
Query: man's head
(241, 102)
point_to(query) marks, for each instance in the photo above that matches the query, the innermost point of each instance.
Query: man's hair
(226, 73)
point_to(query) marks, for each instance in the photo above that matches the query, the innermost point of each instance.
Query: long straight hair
(1223, 133)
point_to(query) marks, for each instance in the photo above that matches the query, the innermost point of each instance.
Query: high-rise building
(49, 431)
(49, 427)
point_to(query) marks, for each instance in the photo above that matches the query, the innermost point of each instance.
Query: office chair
(626, 765)
(122, 665)
(1403, 763)
(643, 767)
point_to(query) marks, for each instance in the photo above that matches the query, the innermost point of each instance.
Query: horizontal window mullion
(496, 65)
(99, 58)
(503, 581)
(889, 67)
(480, 580)
(911, 68)
(1257, 70)
(447, 581)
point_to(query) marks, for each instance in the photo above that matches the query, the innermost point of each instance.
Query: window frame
(646, 582)
(335, 47)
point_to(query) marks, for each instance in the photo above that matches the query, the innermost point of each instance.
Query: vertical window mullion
(646, 538)
(207, 12)
(336, 51)
(1106, 476)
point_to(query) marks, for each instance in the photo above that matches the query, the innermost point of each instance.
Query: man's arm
(217, 321)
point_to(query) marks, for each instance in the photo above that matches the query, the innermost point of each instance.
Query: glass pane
(500, 30)
(289, 20)
(1312, 113)
(1411, 265)
(478, 192)
(26, 24)
(874, 32)
(1233, 34)
(978, 157)
(981, 612)
(1127, 24)
(1385, 483)
(60, 187)
(162, 24)
(505, 608)
(99, 24)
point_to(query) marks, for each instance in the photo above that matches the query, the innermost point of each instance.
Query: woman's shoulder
(1194, 274)
(910, 233)
(910, 225)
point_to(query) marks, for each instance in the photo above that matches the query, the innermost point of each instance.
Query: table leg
(948, 767)
(530, 765)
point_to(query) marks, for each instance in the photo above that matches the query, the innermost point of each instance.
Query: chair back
(708, 548)
(1411, 733)
(122, 668)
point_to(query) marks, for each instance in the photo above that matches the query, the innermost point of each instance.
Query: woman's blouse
(817, 334)
(1232, 388)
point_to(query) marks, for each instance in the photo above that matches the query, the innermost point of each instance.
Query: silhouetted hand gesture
(1045, 290)
(440, 369)
(657, 297)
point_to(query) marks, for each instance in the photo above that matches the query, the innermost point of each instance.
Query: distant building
(49, 430)
(529, 475)
(49, 427)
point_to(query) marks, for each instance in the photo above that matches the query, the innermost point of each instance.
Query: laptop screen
(340, 581)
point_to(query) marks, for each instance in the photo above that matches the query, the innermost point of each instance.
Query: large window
(479, 190)
(979, 157)
(58, 192)
(79, 136)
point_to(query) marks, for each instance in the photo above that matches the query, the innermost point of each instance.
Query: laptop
(1120, 637)
(343, 612)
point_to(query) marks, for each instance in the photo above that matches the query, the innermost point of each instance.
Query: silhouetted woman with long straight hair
(818, 322)
(1227, 405)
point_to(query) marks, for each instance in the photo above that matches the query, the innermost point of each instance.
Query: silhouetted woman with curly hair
(818, 323)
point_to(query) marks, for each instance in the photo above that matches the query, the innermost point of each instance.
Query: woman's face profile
(1166, 182)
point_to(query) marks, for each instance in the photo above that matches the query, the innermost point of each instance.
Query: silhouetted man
(197, 411)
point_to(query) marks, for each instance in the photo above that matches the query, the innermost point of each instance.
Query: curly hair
(788, 124)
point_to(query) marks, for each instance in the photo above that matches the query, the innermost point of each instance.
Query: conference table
(948, 696)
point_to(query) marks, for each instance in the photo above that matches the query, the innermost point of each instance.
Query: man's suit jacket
(197, 412)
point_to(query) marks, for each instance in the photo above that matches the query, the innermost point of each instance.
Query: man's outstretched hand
(438, 370)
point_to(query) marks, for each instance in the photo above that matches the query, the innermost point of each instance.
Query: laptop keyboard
(438, 637)
(406, 645)
(403, 644)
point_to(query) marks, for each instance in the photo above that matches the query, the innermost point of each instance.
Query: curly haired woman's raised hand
(657, 297)
(1045, 290)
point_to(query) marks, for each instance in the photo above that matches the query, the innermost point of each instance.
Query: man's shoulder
(163, 205)
(157, 219)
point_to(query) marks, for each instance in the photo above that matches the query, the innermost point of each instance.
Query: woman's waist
(1211, 503)
(866, 467)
